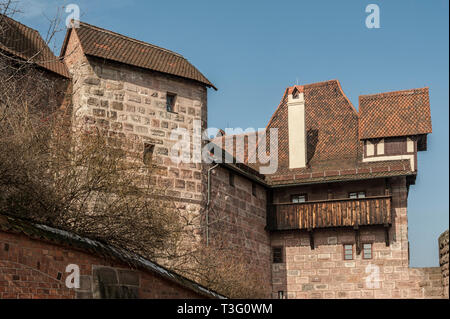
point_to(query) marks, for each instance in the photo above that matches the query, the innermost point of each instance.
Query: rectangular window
(348, 252)
(367, 251)
(300, 198)
(231, 178)
(170, 102)
(277, 255)
(281, 294)
(148, 153)
(357, 195)
(254, 189)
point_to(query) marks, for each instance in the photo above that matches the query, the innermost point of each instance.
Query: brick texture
(34, 269)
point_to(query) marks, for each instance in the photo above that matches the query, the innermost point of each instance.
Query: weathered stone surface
(92, 81)
(444, 262)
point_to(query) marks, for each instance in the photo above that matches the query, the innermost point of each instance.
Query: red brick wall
(29, 268)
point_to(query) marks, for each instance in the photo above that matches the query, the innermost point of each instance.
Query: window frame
(344, 250)
(357, 194)
(363, 250)
(375, 143)
(173, 103)
(298, 195)
(281, 255)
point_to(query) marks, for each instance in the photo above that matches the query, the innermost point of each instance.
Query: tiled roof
(397, 113)
(363, 171)
(109, 45)
(331, 128)
(27, 44)
(50, 234)
(334, 149)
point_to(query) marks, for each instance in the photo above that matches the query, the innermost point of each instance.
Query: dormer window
(295, 94)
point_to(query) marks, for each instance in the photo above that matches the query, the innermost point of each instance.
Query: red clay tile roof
(331, 127)
(109, 45)
(27, 44)
(362, 171)
(397, 113)
(334, 149)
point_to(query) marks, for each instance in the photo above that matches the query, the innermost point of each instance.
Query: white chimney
(297, 129)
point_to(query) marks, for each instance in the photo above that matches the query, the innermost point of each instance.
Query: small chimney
(297, 128)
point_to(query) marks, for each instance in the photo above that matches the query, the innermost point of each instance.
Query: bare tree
(95, 182)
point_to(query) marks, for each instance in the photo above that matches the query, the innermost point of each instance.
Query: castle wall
(38, 89)
(36, 269)
(238, 218)
(130, 103)
(323, 273)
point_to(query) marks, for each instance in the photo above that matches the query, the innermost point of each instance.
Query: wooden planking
(332, 213)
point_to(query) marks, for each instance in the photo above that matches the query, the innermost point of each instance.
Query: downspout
(208, 203)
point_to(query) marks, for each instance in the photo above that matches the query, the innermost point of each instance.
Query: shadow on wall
(312, 140)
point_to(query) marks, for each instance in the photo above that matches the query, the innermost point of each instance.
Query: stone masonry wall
(238, 219)
(323, 272)
(130, 103)
(443, 260)
(32, 268)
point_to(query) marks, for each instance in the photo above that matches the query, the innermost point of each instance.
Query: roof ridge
(314, 84)
(23, 25)
(394, 93)
(130, 39)
(322, 83)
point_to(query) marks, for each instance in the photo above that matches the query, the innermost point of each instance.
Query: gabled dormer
(394, 125)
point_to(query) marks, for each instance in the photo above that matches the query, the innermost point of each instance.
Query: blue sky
(253, 50)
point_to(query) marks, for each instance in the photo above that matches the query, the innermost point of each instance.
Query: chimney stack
(297, 128)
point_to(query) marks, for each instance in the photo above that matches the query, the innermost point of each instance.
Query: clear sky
(253, 50)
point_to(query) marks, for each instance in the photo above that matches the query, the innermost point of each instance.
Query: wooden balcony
(330, 213)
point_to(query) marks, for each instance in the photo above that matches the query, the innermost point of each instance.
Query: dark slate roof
(399, 113)
(27, 44)
(65, 238)
(113, 46)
